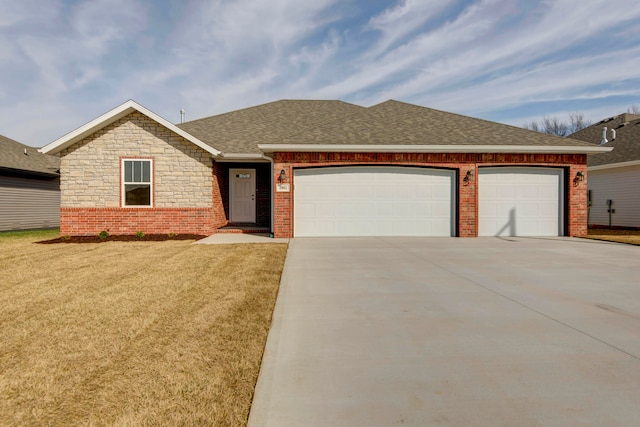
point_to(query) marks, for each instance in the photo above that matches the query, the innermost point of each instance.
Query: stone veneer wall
(91, 188)
(467, 201)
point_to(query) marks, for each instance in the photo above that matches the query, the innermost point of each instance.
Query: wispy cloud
(66, 62)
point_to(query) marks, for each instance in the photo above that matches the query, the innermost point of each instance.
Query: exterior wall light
(283, 176)
(579, 177)
(468, 177)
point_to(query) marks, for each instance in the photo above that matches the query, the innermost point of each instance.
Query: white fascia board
(242, 157)
(271, 148)
(614, 165)
(111, 116)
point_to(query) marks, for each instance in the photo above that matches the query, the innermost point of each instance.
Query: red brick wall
(118, 221)
(220, 195)
(462, 162)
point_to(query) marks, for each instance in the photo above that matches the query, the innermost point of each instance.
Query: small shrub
(103, 235)
(139, 234)
(171, 235)
(66, 237)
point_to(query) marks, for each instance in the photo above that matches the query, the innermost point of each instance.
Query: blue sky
(64, 63)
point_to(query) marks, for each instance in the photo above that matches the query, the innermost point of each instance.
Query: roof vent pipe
(604, 136)
(182, 113)
(613, 134)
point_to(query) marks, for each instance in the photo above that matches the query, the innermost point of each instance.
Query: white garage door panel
(373, 201)
(520, 201)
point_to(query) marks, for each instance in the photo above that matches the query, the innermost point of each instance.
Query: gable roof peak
(112, 116)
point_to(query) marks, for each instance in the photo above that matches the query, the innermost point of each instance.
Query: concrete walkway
(453, 332)
(233, 238)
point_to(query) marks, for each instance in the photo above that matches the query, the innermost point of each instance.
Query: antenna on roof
(182, 113)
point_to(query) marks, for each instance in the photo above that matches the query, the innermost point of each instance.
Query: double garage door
(373, 201)
(409, 201)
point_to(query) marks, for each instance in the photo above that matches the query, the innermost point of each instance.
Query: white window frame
(123, 183)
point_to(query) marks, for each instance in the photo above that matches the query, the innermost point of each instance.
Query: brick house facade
(193, 165)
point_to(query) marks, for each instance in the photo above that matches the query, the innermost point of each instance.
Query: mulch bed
(123, 238)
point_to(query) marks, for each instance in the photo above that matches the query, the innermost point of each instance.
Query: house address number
(283, 188)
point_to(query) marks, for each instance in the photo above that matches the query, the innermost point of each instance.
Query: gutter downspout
(271, 187)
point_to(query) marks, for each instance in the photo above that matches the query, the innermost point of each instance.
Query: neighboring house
(29, 187)
(614, 177)
(320, 168)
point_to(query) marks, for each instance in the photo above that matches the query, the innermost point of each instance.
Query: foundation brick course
(118, 221)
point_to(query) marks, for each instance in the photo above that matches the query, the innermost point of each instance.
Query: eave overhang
(370, 148)
(241, 157)
(614, 165)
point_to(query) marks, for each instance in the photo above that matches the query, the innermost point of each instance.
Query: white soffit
(112, 116)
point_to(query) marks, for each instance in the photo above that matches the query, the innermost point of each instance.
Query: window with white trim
(137, 183)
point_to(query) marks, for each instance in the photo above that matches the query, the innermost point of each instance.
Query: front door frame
(236, 200)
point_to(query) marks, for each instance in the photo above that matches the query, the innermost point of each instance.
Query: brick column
(578, 204)
(468, 203)
(282, 201)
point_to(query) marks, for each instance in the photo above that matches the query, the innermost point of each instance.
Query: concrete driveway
(454, 332)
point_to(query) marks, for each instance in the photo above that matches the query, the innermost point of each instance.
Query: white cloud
(404, 18)
(64, 62)
(99, 23)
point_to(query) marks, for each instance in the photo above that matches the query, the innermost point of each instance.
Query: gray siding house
(29, 187)
(614, 177)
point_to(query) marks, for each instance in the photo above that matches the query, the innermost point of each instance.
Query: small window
(136, 182)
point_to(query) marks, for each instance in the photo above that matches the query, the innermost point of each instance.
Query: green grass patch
(49, 233)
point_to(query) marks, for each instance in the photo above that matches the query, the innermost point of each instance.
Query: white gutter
(361, 148)
(614, 165)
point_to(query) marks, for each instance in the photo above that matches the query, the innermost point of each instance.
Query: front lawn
(615, 235)
(132, 333)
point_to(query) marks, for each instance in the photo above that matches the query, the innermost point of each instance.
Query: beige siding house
(614, 177)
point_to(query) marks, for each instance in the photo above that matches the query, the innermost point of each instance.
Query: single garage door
(373, 201)
(522, 201)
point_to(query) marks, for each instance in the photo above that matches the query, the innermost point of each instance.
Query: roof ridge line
(267, 103)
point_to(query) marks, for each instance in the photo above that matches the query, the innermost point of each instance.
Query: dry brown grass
(621, 236)
(136, 333)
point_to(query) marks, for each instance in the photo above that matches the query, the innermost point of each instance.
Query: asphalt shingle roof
(336, 122)
(394, 122)
(627, 142)
(13, 157)
(241, 131)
